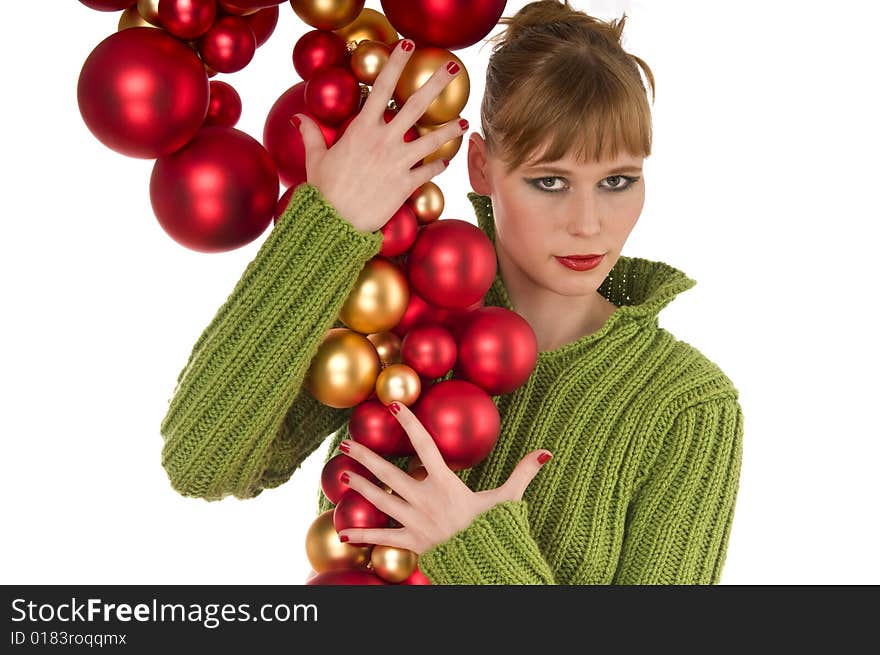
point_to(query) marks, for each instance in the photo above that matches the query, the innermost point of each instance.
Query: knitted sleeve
(239, 419)
(678, 522)
(496, 548)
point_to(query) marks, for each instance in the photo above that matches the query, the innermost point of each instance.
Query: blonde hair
(558, 73)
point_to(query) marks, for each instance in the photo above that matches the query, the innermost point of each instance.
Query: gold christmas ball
(149, 11)
(387, 345)
(327, 14)
(343, 372)
(367, 60)
(131, 18)
(398, 382)
(393, 564)
(326, 553)
(370, 25)
(448, 150)
(378, 299)
(420, 67)
(419, 473)
(427, 202)
(413, 463)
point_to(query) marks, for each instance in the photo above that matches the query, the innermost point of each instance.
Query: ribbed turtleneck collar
(639, 287)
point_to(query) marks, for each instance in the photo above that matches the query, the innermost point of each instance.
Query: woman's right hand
(367, 175)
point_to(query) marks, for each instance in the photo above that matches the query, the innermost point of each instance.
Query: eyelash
(535, 182)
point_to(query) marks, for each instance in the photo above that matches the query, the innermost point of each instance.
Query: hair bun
(542, 13)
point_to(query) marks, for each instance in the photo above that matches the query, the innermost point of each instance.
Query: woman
(645, 432)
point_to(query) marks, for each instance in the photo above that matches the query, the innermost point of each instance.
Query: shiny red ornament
(332, 94)
(229, 45)
(282, 203)
(462, 419)
(430, 350)
(263, 23)
(107, 5)
(331, 485)
(355, 511)
(142, 92)
(224, 107)
(319, 49)
(454, 318)
(417, 577)
(217, 193)
(418, 311)
(187, 19)
(400, 232)
(452, 263)
(497, 350)
(450, 24)
(284, 141)
(346, 577)
(372, 425)
(241, 6)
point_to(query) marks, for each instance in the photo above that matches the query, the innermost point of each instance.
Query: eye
(618, 184)
(545, 184)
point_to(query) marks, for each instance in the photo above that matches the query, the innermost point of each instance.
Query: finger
(422, 441)
(523, 474)
(430, 142)
(312, 136)
(397, 537)
(421, 174)
(416, 105)
(384, 470)
(395, 507)
(383, 86)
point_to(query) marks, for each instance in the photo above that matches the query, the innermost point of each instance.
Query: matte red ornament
(372, 425)
(450, 24)
(400, 232)
(284, 141)
(331, 485)
(142, 92)
(319, 49)
(430, 350)
(497, 350)
(107, 5)
(346, 577)
(217, 193)
(355, 511)
(263, 23)
(224, 107)
(333, 94)
(462, 419)
(452, 264)
(417, 312)
(417, 577)
(187, 19)
(229, 45)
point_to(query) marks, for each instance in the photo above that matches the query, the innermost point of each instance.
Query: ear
(478, 165)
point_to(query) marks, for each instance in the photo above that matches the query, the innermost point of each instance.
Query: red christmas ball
(452, 263)
(462, 419)
(417, 312)
(319, 49)
(346, 577)
(224, 107)
(283, 202)
(263, 23)
(187, 19)
(454, 318)
(331, 485)
(284, 141)
(450, 24)
(217, 193)
(400, 232)
(143, 93)
(417, 577)
(333, 94)
(497, 350)
(355, 511)
(430, 350)
(229, 45)
(372, 425)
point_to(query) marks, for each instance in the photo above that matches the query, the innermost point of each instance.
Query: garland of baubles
(415, 314)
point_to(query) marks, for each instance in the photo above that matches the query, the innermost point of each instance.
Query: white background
(761, 187)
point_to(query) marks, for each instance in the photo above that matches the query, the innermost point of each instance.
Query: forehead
(568, 165)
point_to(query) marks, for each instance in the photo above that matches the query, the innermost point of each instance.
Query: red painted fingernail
(453, 68)
(345, 477)
(295, 121)
(394, 408)
(343, 538)
(445, 163)
(464, 124)
(543, 457)
(344, 447)
(407, 45)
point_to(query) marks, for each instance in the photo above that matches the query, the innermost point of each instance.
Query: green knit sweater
(646, 432)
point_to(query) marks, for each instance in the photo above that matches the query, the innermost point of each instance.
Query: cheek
(524, 237)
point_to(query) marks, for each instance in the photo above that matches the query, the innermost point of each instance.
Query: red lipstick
(580, 262)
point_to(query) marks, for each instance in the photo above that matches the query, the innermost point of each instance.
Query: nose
(584, 219)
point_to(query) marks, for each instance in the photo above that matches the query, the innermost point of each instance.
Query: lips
(580, 256)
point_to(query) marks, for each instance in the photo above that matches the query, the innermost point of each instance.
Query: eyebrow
(562, 171)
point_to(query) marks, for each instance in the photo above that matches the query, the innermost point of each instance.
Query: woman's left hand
(430, 510)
